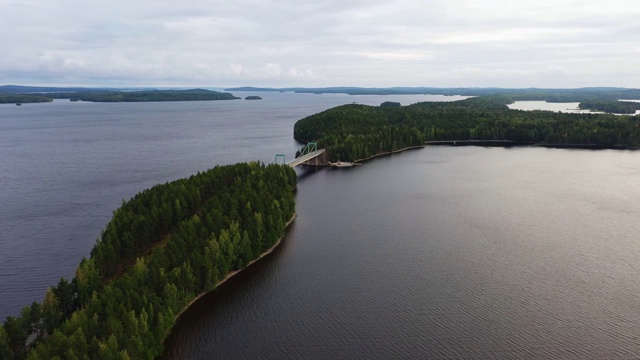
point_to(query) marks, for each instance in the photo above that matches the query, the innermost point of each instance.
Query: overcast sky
(281, 43)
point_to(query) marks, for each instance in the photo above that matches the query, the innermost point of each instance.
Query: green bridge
(309, 155)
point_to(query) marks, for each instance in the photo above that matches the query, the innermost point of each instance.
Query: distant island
(25, 94)
(253, 97)
(23, 99)
(144, 96)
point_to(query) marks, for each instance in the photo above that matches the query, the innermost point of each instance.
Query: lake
(65, 166)
(442, 252)
(439, 253)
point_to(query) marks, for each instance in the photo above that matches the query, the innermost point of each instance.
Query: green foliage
(161, 249)
(141, 96)
(390, 104)
(352, 132)
(614, 107)
(19, 98)
(119, 96)
(6, 353)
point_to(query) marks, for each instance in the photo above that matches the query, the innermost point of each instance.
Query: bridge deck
(305, 158)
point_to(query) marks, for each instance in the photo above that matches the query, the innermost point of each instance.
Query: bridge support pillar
(280, 159)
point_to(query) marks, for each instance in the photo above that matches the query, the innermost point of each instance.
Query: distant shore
(388, 153)
(499, 143)
(511, 143)
(492, 143)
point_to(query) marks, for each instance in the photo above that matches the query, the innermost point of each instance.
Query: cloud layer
(308, 43)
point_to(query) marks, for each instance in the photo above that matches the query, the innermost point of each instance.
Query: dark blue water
(65, 166)
(439, 253)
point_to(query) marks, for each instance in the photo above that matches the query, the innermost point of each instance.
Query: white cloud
(562, 43)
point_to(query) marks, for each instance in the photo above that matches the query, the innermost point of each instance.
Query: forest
(141, 96)
(615, 107)
(20, 99)
(118, 96)
(354, 132)
(161, 249)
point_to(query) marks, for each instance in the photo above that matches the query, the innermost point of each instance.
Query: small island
(253, 97)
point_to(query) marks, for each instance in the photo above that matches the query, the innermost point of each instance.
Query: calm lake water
(443, 252)
(440, 253)
(561, 107)
(65, 166)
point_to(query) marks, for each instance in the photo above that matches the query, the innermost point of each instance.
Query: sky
(284, 43)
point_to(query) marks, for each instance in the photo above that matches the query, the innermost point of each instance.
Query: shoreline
(389, 153)
(512, 143)
(231, 274)
(499, 143)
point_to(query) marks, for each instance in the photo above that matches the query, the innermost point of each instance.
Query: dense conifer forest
(161, 249)
(352, 132)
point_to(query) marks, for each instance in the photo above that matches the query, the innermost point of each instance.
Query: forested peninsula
(161, 250)
(354, 132)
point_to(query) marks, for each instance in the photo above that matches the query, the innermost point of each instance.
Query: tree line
(143, 96)
(120, 96)
(614, 107)
(21, 98)
(160, 250)
(352, 132)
